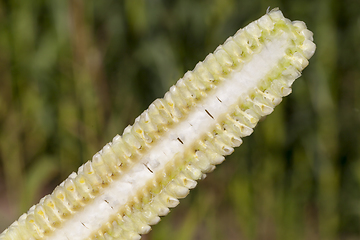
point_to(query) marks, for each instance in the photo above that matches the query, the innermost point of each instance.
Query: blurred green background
(74, 73)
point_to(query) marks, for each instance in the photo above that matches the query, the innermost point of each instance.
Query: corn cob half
(140, 175)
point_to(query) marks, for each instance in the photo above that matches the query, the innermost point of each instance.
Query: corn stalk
(180, 138)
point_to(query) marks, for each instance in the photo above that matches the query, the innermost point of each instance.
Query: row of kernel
(138, 215)
(237, 49)
(53, 209)
(50, 211)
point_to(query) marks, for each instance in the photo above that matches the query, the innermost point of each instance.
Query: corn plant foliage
(74, 73)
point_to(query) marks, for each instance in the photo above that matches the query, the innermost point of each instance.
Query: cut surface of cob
(140, 175)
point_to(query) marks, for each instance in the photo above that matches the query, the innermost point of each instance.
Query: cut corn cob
(140, 175)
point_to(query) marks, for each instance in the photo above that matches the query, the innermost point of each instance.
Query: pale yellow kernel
(82, 180)
(51, 205)
(60, 196)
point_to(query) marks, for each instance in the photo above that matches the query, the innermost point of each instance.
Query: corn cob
(140, 175)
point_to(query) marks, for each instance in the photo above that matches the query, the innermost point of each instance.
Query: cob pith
(140, 175)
